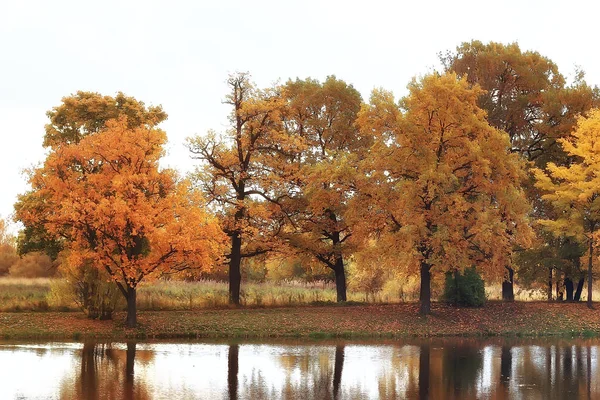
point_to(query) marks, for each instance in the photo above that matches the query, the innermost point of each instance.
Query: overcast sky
(179, 53)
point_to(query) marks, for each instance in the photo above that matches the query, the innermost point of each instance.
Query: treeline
(454, 175)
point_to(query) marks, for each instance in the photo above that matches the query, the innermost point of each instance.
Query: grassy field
(373, 321)
(21, 294)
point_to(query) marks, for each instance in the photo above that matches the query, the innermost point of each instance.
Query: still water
(439, 369)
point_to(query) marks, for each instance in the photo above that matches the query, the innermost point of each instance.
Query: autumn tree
(8, 254)
(116, 210)
(574, 190)
(445, 190)
(78, 116)
(243, 172)
(323, 115)
(526, 96)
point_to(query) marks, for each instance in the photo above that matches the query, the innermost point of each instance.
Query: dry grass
(23, 294)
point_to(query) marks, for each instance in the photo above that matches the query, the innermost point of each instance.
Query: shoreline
(373, 322)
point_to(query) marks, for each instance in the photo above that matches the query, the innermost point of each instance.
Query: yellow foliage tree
(574, 190)
(119, 212)
(323, 115)
(442, 185)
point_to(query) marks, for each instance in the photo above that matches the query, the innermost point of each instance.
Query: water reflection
(448, 369)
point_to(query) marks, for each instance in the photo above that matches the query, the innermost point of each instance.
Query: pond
(436, 369)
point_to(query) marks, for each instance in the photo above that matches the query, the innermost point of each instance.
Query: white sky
(179, 53)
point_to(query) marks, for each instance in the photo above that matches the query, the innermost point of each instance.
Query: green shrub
(466, 289)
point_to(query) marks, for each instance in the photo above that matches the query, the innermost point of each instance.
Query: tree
(8, 254)
(527, 97)
(117, 211)
(445, 190)
(244, 174)
(574, 190)
(79, 115)
(324, 115)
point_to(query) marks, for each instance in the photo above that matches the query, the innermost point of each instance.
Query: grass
(371, 321)
(22, 294)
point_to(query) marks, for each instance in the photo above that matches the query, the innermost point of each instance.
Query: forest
(487, 166)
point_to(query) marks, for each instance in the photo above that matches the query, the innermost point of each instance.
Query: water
(439, 369)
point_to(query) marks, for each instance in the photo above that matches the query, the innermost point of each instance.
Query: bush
(465, 289)
(90, 289)
(32, 265)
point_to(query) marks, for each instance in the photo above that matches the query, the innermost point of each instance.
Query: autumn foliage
(119, 212)
(308, 177)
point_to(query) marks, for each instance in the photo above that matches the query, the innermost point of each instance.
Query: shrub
(466, 289)
(90, 289)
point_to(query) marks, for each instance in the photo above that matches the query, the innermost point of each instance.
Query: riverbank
(328, 321)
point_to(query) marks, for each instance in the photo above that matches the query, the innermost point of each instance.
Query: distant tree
(33, 265)
(8, 254)
(574, 190)
(527, 97)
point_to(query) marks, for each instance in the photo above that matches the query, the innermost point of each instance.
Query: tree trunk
(131, 321)
(589, 274)
(340, 278)
(235, 273)
(579, 289)
(569, 288)
(549, 291)
(508, 293)
(232, 371)
(425, 294)
(456, 287)
(337, 369)
(424, 372)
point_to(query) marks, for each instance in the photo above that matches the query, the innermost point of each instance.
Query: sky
(179, 53)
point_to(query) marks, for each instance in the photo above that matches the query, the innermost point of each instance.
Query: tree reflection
(232, 371)
(337, 371)
(424, 358)
(106, 372)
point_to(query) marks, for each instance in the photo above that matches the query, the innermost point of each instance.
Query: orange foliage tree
(8, 253)
(78, 115)
(119, 212)
(443, 189)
